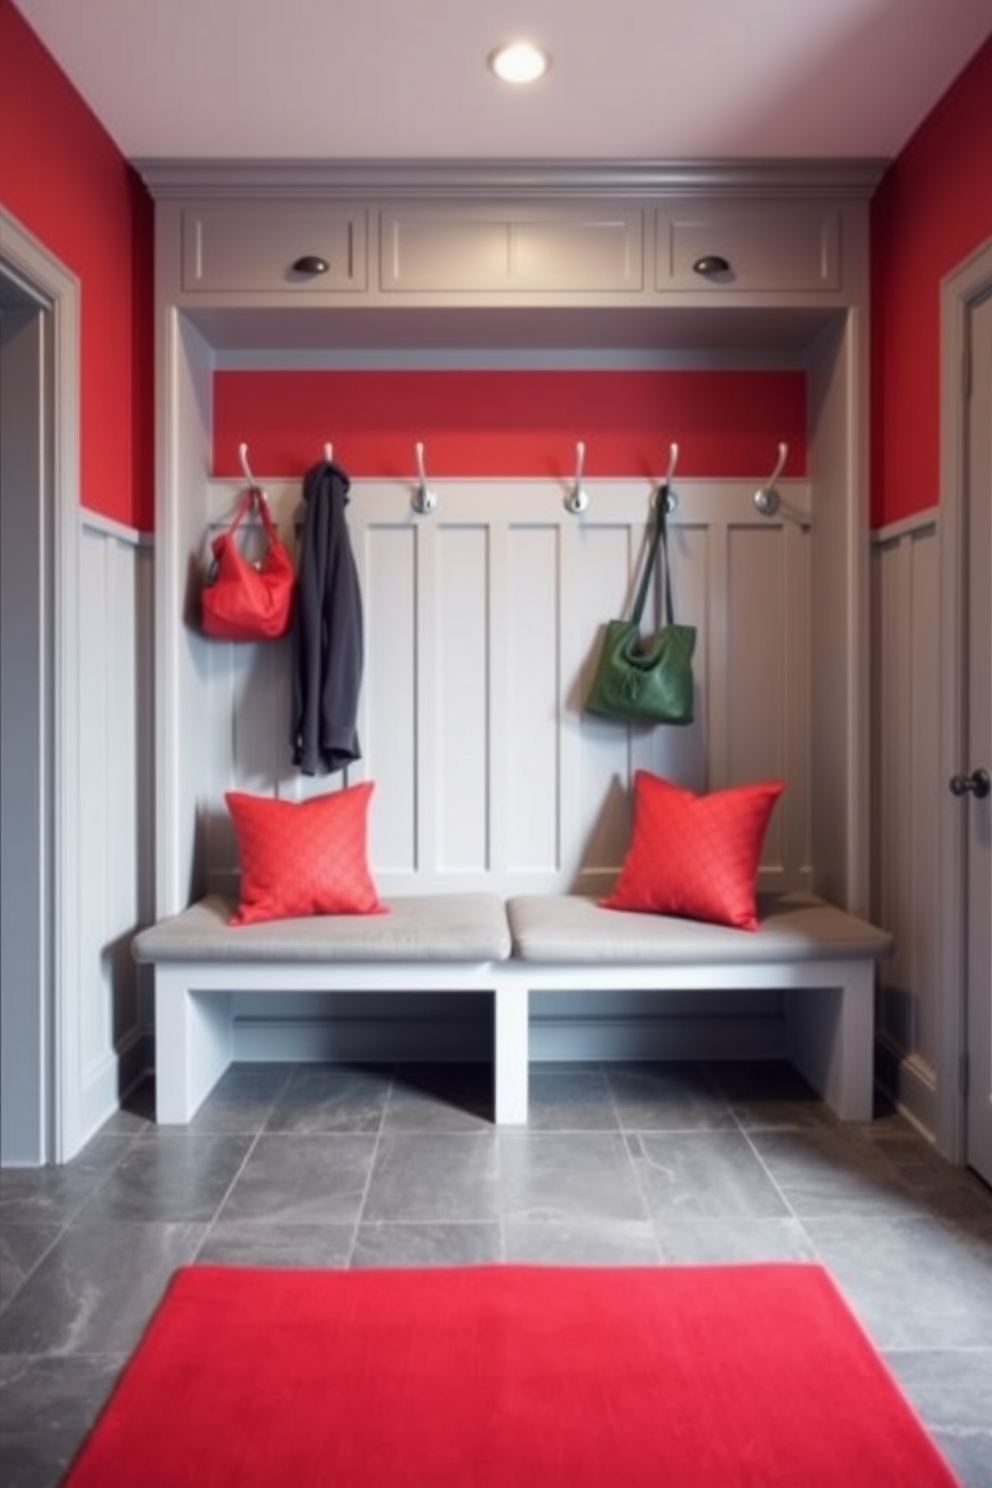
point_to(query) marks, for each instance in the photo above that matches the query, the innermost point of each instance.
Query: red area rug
(507, 1377)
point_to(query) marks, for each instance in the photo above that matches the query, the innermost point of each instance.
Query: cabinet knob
(712, 263)
(311, 263)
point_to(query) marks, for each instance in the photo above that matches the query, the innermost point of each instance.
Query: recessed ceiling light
(520, 62)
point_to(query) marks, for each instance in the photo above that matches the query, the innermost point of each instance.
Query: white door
(975, 781)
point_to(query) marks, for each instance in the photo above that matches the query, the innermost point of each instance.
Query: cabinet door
(511, 248)
(746, 245)
(250, 247)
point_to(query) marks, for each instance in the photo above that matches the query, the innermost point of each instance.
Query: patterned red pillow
(695, 856)
(303, 858)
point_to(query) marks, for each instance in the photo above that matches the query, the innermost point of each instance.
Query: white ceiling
(406, 79)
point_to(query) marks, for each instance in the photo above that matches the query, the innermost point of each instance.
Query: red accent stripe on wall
(932, 209)
(511, 423)
(62, 176)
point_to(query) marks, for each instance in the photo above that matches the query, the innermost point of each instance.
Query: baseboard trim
(909, 1082)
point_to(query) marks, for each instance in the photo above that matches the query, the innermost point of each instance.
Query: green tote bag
(646, 679)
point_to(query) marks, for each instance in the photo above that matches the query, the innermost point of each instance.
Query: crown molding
(494, 179)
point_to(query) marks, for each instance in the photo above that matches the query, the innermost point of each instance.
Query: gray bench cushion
(432, 927)
(567, 929)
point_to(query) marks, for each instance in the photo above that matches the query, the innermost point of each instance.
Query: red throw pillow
(695, 856)
(303, 858)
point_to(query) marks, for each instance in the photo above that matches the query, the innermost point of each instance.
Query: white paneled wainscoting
(907, 791)
(482, 625)
(109, 1018)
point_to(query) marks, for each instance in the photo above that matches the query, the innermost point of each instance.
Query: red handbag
(242, 600)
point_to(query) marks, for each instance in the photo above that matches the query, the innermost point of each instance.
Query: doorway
(25, 707)
(965, 1111)
(39, 463)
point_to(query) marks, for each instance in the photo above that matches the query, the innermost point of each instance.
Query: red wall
(932, 209)
(67, 184)
(512, 424)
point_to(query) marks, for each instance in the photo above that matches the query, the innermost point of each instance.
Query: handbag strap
(659, 539)
(262, 508)
(255, 497)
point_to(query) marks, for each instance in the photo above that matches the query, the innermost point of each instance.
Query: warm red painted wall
(511, 423)
(932, 209)
(66, 183)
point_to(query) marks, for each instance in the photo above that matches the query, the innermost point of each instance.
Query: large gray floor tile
(566, 1099)
(179, 1176)
(916, 1283)
(769, 1095)
(434, 1177)
(706, 1174)
(581, 1243)
(716, 1242)
(56, 1195)
(667, 1097)
(831, 1172)
(440, 1098)
(301, 1179)
(242, 1099)
(272, 1243)
(969, 1454)
(950, 1388)
(96, 1288)
(47, 1405)
(331, 1098)
(427, 1245)
(553, 1177)
(21, 1248)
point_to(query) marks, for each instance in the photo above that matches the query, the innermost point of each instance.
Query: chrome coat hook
(243, 457)
(767, 499)
(424, 500)
(253, 485)
(329, 452)
(664, 491)
(578, 500)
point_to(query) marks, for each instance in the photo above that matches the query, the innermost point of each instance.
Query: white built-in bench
(820, 957)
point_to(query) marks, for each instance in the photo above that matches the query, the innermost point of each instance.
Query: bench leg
(831, 1034)
(193, 1045)
(511, 1052)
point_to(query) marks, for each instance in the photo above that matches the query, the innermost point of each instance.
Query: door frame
(57, 292)
(971, 280)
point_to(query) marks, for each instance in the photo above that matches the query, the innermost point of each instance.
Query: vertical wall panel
(528, 739)
(460, 645)
(755, 669)
(927, 787)
(606, 559)
(96, 635)
(907, 792)
(387, 729)
(114, 752)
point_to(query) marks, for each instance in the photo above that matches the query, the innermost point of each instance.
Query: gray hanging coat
(327, 640)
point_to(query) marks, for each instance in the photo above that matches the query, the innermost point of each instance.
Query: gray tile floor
(621, 1164)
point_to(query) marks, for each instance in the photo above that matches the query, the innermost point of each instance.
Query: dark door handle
(977, 784)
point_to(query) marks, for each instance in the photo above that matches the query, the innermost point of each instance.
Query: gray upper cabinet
(747, 245)
(279, 247)
(332, 237)
(585, 250)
